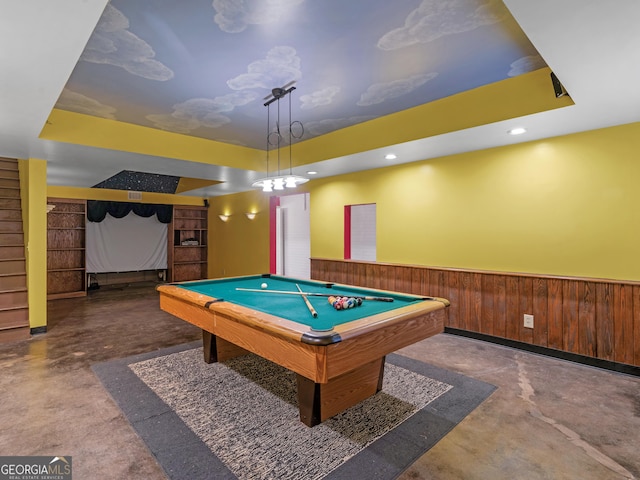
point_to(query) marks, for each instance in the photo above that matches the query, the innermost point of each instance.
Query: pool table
(338, 355)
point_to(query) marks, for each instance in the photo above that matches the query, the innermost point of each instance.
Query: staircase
(14, 313)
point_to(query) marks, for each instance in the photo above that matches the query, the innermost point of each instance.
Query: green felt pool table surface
(293, 307)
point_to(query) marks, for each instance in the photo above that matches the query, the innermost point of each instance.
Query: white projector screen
(127, 244)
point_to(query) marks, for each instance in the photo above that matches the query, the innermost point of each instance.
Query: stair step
(13, 290)
(9, 174)
(11, 214)
(12, 238)
(9, 182)
(9, 192)
(15, 334)
(8, 308)
(10, 226)
(11, 281)
(13, 203)
(8, 252)
(8, 163)
(14, 299)
(12, 266)
(14, 318)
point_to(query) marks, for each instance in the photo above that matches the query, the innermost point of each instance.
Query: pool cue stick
(315, 294)
(314, 314)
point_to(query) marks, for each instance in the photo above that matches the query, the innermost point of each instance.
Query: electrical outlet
(528, 320)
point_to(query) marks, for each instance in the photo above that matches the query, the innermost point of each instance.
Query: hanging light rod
(279, 92)
(280, 181)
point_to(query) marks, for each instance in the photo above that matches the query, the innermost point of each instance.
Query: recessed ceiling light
(390, 156)
(517, 131)
(312, 173)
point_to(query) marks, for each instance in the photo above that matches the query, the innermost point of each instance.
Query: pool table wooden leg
(209, 347)
(217, 349)
(320, 401)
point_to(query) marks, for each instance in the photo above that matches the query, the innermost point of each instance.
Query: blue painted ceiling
(203, 67)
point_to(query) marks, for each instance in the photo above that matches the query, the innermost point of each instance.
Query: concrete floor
(549, 419)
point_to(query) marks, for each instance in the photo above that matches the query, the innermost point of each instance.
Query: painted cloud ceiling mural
(203, 67)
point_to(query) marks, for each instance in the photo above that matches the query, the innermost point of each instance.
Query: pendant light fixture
(275, 137)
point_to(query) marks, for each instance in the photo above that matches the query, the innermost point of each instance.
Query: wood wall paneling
(587, 319)
(488, 314)
(525, 297)
(512, 292)
(623, 323)
(604, 321)
(596, 318)
(555, 324)
(570, 314)
(540, 307)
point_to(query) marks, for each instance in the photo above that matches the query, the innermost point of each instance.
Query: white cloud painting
(434, 19)
(319, 98)
(233, 16)
(525, 65)
(201, 112)
(279, 67)
(77, 102)
(380, 92)
(113, 44)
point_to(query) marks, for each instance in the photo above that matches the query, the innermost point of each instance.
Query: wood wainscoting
(594, 318)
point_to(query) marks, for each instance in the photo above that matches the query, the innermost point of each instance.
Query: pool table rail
(264, 321)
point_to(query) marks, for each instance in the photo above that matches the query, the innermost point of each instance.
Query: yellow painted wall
(238, 246)
(565, 206)
(120, 196)
(33, 188)
(562, 206)
(76, 128)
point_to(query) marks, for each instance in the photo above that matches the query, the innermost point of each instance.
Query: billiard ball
(264, 285)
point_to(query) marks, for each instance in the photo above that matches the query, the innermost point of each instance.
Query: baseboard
(550, 352)
(38, 330)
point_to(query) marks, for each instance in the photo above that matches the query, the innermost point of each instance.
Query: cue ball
(264, 285)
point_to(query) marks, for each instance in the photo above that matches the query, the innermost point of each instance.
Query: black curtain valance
(98, 209)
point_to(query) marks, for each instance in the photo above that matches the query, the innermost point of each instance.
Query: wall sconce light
(251, 215)
(223, 217)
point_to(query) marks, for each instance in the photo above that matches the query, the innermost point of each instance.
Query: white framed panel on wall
(363, 232)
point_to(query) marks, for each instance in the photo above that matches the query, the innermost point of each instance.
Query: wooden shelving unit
(66, 266)
(187, 249)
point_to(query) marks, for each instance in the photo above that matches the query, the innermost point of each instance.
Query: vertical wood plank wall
(592, 317)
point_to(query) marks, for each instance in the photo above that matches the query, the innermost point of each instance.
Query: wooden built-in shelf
(66, 259)
(187, 262)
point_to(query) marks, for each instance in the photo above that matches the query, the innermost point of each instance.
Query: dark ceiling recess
(141, 182)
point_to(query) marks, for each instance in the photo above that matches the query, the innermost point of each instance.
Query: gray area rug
(239, 419)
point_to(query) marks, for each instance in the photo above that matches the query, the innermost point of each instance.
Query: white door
(293, 236)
